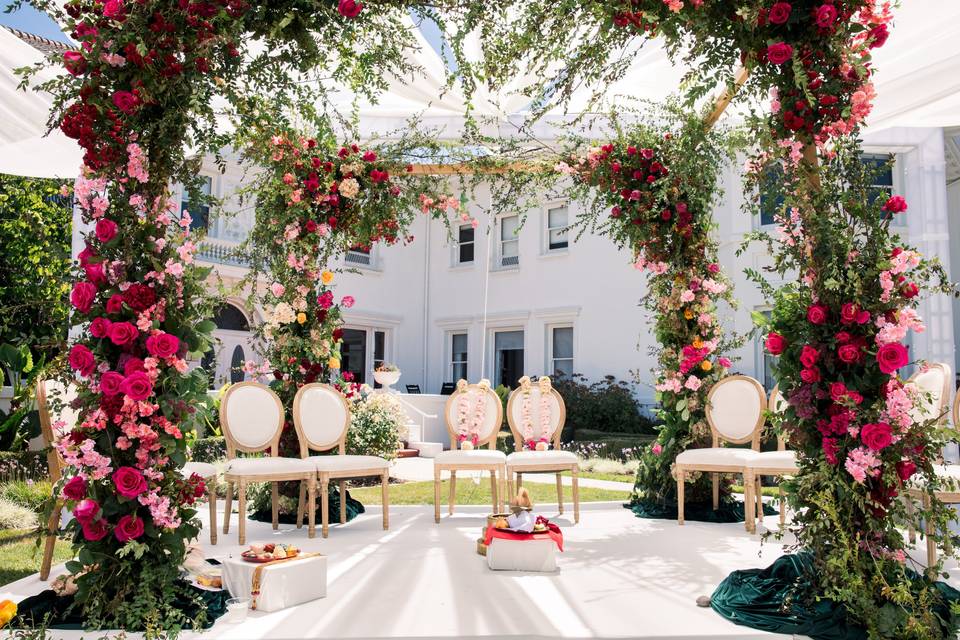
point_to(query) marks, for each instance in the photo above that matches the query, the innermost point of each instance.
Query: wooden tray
(249, 557)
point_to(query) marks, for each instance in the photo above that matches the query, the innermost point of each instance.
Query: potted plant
(387, 374)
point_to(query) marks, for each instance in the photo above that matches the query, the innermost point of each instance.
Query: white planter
(386, 378)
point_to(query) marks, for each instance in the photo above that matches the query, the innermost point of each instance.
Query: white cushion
(268, 466)
(253, 415)
(474, 456)
(202, 469)
(347, 463)
(735, 407)
(322, 414)
(785, 460)
(717, 456)
(930, 404)
(555, 456)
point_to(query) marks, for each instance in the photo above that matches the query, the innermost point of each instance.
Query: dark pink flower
(86, 510)
(905, 469)
(163, 345)
(110, 383)
(125, 101)
(75, 489)
(876, 435)
(830, 449)
(100, 327)
(775, 343)
(895, 204)
(892, 356)
(82, 360)
(122, 333)
(113, 9)
(810, 375)
(129, 482)
(817, 314)
(848, 353)
(825, 16)
(137, 386)
(128, 528)
(74, 62)
(349, 8)
(779, 53)
(809, 356)
(115, 303)
(779, 13)
(106, 230)
(94, 530)
(82, 296)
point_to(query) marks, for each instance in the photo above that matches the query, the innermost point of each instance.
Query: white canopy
(918, 84)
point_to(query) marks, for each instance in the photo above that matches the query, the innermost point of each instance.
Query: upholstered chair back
(251, 416)
(735, 407)
(554, 405)
(322, 416)
(934, 384)
(468, 396)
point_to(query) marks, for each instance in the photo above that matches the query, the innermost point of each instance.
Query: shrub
(377, 426)
(606, 465)
(607, 406)
(14, 516)
(28, 494)
(614, 449)
(23, 465)
(209, 449)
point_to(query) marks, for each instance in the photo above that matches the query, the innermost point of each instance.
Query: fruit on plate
(500, 523)
(211, 578)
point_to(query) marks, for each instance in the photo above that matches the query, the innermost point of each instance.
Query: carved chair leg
(343, 501)
(325, 504)
(681, 480)
(242, 508)
(212, 499)
(301, 504)
(275, 504)
(493, 490)
(576, 494)
(312, 508)
(227, 508)
(560, 492)
(453, 491)
(385, 499)
(715, 479)
(436, 495)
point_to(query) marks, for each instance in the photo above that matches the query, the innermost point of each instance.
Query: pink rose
(100, 327)
(82, 295)
(895, 204)
(125, 101)
(349, 8)
(106, 230)
(115, 303)
(779, 53)
(74, 62)
(95, 530)
(110, 383)
(810, 375)
(137, 386)
(132, 365)
(122, 333)
(877, 435)
(779, 13)
(826, 15)
(113, 9)
(817, 314)
(347, 301)
(809, 356)
(94, 272)
(128, 528)
(86, 510)
(775, 343)
(82, 360)
(163, 345)
(892, 356)
(129, 482)
(724, 362)
(75, 489)
(657, 448)
(848, 353)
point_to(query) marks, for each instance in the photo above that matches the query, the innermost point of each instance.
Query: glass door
(353, 354)
(508, 351)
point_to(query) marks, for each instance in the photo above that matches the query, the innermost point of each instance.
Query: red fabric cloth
(552, 533)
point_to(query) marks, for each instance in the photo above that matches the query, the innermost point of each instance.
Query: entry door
(233, 348)
(353, 354)
(508, 347)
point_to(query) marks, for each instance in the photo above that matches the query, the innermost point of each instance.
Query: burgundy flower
(775, 343)
(106, 230)
(115, 303)
(82, 360)
(779, 13)
(878, 36)
(809, 356)
(825, 16)
(86, 510)
(128, 528)
(123, 333)
(910, 290)
(848, 353)
(139, 296)
(100, 327)
(876, 435)
(94, 530)
(779, 53)
(75, 489)
(892, 356)
(137, 386)
(349, 9)
(906, 469)
(817, 314)
(129, 482)
(82, 296)
(163, 345)
(125, 101)
(830, 449)
(110, 383)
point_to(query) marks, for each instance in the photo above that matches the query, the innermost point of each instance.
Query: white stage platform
(620, 576)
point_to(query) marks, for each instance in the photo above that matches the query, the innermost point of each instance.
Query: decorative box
(522, 555)
(283, 583)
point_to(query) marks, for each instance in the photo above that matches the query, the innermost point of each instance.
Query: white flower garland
(471, 412)
(526, 421)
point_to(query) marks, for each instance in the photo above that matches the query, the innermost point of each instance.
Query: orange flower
(706, 365)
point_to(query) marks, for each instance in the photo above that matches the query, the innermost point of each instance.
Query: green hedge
(23, 465)
(209, 449)
(607, 406)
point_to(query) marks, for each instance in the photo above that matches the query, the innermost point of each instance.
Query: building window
(561, 351)
(508, 352)
(765, 361)
(197, 203)
(771, 207)
(353, 354)
(880, 168)
(465, 243)
(358, 256)
(379, 349)
(458, 356)
(509, 241)
(557, 221)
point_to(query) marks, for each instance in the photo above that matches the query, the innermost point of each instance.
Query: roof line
(46, 45)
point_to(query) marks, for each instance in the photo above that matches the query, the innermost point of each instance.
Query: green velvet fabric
(46, 608)
(354, 508)
(730, 511)
(756, 598)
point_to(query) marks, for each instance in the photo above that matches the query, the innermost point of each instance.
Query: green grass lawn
(616, 477)
(470, 493)
(20, 556)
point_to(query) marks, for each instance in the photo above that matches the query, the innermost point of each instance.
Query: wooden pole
(723, 100)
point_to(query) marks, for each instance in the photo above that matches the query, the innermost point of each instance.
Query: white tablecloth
(282, 585)
(522, 555)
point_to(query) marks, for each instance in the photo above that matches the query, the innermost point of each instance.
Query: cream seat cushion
(521, 458)
(202, 469)
(268, 466)
(717, 456)
(347, 463)
(474, 456)
(785, 460)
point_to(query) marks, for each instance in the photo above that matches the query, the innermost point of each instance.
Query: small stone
(703, 601)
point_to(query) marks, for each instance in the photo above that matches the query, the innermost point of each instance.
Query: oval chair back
(56, 418)
(251, 416)
(493, 416)
(777, 404)
(735, 408)
(532, 396)
(935, 384)
(321, 415)
(956, 410)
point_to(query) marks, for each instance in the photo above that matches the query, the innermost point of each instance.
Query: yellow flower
(697, 343)
(688, 314)
(706, 365)
(334, 363)
(326, 277)
(301, 317)
(8, 609)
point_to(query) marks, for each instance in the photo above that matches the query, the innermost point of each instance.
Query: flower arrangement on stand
(657, 184)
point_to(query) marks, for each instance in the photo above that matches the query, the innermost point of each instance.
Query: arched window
(236, 365)
(231, 318)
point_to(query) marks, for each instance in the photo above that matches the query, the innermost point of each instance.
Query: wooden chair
(771, 463)
(251, 416)
(322, 418)
(474, 459)
(735, 408)
(550, 461)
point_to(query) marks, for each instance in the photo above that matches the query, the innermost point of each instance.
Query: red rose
(892, 356)
(106, 230)
(110, 383)
(779, 13)
(817, 314)
(809, 356)
(349, 9)
(830, 449)
(100, 327)
(895, 204)
(311, 226)
(810, 375)
(94, 530)
(825, 16)
(848, 353)
(137, 386)
(842, 337)
(876, 435)
(86, 510)
(838, 391)
(910, 290)
(848, 313)
(75, 489)
(113, 9)
(139, 297)
(132, 365)
(82, 295)
(128, 528)
(878, 36)
(82, 360)
(163, 345)
(122, 333)
(779, 53)
(74, 62)
(125, 101)
(775, 343)
(115, 303)
(905, 469)
(94, 272)
(129, 482)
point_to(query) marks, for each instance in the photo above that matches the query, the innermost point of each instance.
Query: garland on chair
(471, 412)
(541, 443)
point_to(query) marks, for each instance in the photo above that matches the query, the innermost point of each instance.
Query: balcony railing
(221, 252)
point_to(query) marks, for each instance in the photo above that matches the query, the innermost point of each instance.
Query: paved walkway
(422, 469)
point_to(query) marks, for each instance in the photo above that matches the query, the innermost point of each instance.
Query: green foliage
(377, 426)
(27, 493)
(22, 422)
(604, 406)
(23, 465)
(209, 449)
(16, 516)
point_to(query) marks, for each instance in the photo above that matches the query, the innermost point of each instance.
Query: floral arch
(144, 86)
